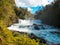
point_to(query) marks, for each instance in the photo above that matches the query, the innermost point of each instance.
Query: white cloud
(45, 2)
(34, 2)
(29, 9)
(20, 3)
(30, 3)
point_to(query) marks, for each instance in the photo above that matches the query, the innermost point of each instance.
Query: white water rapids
(47, 33)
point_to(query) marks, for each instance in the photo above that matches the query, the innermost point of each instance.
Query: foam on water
(22, 26)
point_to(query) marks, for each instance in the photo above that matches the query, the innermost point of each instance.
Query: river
(48, 33)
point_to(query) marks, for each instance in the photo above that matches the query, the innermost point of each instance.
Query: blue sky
(34, 9)
(32, 5)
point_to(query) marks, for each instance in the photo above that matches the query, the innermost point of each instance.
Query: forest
(50, 14)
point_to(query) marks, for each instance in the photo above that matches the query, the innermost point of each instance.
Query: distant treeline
(50, 14)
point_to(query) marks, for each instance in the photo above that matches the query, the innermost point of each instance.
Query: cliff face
(50, 14)
(8, 17)
(7, 13)
(22, 13)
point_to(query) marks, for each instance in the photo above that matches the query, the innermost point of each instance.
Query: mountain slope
(8, 17)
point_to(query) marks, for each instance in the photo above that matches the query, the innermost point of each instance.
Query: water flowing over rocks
(45, 32)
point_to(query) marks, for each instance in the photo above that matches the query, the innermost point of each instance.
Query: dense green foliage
(50, 13)
(22, 13)
(7, 13)
(8, 17)
(9, 38)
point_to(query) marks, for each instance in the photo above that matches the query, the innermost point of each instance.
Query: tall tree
(50, 14)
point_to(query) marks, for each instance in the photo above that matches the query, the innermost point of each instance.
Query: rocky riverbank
(32, 36)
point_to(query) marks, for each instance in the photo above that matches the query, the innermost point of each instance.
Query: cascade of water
(27, 26)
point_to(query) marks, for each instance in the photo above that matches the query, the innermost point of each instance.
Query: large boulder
(36, 26)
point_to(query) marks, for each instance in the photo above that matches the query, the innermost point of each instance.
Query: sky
(32, 5)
